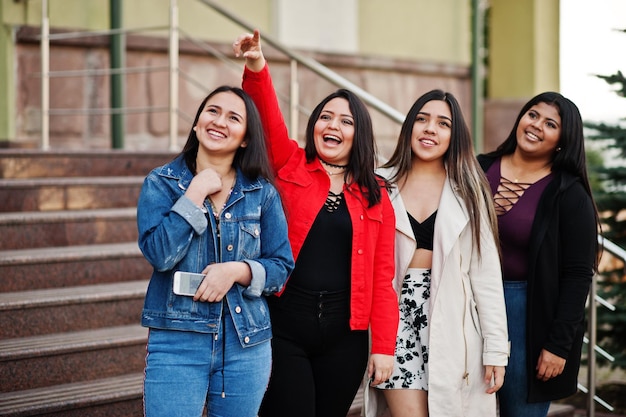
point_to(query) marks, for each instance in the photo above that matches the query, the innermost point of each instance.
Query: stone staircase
(72, 282)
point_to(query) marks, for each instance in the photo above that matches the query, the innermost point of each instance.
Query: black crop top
(423, 232)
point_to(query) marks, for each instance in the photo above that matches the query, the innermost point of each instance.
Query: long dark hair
(460, 161)
(363, 154)
(252, 160)
(570, 155)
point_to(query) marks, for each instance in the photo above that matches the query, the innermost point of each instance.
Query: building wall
(523, 48)
(396, 50)
(7, 80)
(431, 31)
(523, 60)
(396, 82)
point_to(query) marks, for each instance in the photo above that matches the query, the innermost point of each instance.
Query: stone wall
(87, 125)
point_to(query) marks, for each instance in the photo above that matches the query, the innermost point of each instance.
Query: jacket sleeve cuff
(191, 213)
(496, 353)
(255, 289)
(255, 76)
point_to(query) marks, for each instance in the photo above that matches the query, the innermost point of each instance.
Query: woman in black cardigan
(548, 225)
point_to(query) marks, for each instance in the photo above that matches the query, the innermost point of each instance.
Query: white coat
(467, 319)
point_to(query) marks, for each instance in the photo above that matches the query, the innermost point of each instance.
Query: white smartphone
(187, 283)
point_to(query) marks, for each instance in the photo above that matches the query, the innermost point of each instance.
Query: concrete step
(32, 163)
(32, 269)
(38, 229)
(60, 358)
(561, 410)
(56, 310)
(119, 396)
(80, 193)
(72, 282)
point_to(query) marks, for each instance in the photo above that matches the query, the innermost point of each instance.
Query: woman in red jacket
(341, 229)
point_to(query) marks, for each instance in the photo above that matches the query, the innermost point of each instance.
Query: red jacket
(304, 187)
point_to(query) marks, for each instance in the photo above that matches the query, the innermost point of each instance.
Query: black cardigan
(563, 244)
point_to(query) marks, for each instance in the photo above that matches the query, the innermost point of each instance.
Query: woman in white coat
(452, 345)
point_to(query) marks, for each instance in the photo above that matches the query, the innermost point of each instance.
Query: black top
(423, 232)
(325, 258)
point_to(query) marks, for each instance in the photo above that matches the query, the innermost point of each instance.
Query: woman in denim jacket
(212, 210)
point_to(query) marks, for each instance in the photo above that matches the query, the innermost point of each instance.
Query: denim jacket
(177, 235)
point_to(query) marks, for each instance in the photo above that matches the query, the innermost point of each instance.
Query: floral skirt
(411, 358)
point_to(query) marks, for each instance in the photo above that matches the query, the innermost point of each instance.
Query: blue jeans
(186, 370)
(512, 397)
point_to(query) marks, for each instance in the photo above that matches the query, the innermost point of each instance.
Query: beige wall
(7, 82)
(196, 19)
(320, 25)
(523, 61)
(409, 29)
(523, 48)
(431, 31)
(92, 14)
(422, 30)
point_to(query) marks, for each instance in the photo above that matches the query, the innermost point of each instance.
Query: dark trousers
(318, 362)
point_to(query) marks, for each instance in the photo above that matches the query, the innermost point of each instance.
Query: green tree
(609, 188)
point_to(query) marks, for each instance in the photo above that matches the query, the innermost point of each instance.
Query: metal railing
(46, 74)
(295, 109)
(591, 341)
(174, 73)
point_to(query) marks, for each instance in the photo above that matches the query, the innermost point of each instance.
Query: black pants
(318, 362)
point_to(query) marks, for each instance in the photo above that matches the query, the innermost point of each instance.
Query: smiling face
(221, 126)
(334, 132)
(432, 130)
(539, 131)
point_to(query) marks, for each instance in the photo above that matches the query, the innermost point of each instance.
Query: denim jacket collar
(179, 170)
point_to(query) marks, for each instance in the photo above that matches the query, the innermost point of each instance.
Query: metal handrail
(107, 32)
(107, 111)
(620, 253)
(175, 31)
(104, 71)
(314, 66)
(45, 38)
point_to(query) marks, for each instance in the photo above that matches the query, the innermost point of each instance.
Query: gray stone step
(72, 282)
(119, 396)
(32, 163)
(31, 269)
(59, 358)
(38, 229)
(40, 312)
(80, 193)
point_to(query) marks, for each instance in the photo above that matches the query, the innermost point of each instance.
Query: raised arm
(257, 82)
